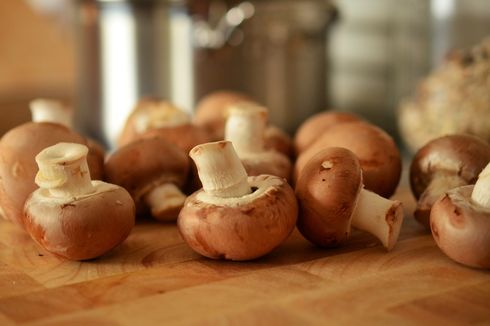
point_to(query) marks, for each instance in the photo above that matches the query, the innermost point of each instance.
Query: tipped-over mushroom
(18, 148)
(153, 117)
(234, 216)
(331, 199)
(314, 126)
(442, 164)
(460, 222)
(377, 153)
(154, 172)
(212, 111)
(245, 128)
(70, 215)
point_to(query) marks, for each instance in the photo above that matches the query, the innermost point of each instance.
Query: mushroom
(234, 216)
(153, 171)
(50, 110)
(18, 148)
(70, 215)
(377, 153)
(154, 117)
(460, 222)
(332, 199)
(315, 125)
(442, 164)
(212, 111)
(245, 128)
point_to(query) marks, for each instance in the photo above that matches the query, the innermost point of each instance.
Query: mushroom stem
(165, 198)
(220, 170)
(63, 170)
(46, 110)
(379, 216)
(481, 190)
(439, 184)
(245, 127)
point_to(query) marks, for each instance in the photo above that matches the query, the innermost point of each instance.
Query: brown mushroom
(50, 110)
(234, 216)
(314, 126)
(245, 128)
(377, 153)
(70, 215)
(152, 114)
(154, 172)
(18, 148)
(332, 199)
(460, 222)
(212, 111)
(442, 164)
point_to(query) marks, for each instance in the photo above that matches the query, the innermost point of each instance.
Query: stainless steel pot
(275, 50)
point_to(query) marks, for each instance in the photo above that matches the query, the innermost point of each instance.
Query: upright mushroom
(154, 172)
(442, 164)
(245, 128)
(18, 148)
(70, 215)
(332, 199)
(212, 112)
(460, 222)
(314, 126)
(234, 216)
(377, 153)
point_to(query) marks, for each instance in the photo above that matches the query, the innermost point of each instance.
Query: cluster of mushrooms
(236, 185)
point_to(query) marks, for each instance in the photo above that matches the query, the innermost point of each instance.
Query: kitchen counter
(155, 278)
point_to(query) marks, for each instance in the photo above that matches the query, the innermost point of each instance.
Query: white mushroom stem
(481, 190)
(164, 197)
(159, 114)
(439, 184)
(220, 170)
(245, 127)
(379, 216)
(46, 110)
(63, 170)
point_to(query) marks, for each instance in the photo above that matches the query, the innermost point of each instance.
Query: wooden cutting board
(154, 278)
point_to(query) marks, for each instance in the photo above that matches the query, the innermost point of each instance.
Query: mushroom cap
(377, 153)
(81, 228)
(211, 110)
(314, 126)
(148, 114)
(462, 155)
(461, 229)
(278, 140)
(327, 191)
(268, 162)
(238, 228)
(146, 163)
(185, 136)
(18, 168)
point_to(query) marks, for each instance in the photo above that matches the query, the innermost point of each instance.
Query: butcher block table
(154, 278)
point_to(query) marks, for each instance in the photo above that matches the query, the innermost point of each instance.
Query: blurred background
(298, 57)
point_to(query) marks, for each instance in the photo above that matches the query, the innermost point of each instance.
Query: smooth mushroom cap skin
(146, 163)
(461, 229)
(463, 155)
(18, 148)
(315, 125)
(240, 231)
(278, 140)
(81, 228)
(271, 162)
(378, 155)
(327, 196)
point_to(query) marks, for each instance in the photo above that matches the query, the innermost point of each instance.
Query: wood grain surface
(155, 278)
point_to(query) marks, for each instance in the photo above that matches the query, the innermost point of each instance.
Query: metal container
(182, 50)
